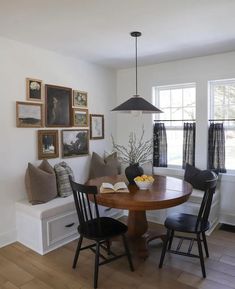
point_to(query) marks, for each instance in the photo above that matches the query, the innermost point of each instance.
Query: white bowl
(144, 185)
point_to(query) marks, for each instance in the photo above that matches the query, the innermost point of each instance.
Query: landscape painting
(75, 142)
(80, 117)
(28, 114)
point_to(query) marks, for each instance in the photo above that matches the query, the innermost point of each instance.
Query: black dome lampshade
(136, 102)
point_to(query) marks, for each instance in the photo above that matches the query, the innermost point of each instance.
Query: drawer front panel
(61, 227)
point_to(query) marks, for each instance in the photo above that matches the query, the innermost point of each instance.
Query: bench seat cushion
(42, 211)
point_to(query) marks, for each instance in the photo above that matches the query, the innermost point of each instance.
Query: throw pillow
(40, 183)
(197, 177)
(100, 167)
(63, 171)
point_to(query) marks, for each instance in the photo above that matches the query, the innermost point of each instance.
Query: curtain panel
(159, 145)
(189, 132)
(216, 148)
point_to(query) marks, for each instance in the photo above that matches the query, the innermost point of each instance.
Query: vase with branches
(137, 152)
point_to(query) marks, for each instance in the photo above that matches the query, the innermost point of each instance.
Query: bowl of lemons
(144, 182)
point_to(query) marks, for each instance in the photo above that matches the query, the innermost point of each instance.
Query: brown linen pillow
(100, 167)
(40, 183)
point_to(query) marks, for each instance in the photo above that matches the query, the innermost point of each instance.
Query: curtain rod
(222, 119)
(215, 119)
(157, 120)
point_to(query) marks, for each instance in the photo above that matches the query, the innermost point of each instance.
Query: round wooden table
(165, 192)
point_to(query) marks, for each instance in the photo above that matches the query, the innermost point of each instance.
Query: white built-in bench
(48, 226)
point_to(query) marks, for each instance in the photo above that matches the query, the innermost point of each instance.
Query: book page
(108, 186)
(120, 186)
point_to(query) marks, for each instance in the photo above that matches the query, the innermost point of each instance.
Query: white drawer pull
(69, 225)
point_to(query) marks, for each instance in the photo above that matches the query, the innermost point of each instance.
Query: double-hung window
(222, 107)
(178, 103)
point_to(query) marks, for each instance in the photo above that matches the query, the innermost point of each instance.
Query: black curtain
(216, 148)
(189, 144)
(159, 145)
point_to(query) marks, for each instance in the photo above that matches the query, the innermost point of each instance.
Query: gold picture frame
(80, 99)
(29, 114)
(33, 89)
(48, 144)
(80, 117)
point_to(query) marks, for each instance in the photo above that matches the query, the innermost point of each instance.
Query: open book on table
(119, 187)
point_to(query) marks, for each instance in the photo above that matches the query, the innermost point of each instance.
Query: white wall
(19, 145)
(199, 70)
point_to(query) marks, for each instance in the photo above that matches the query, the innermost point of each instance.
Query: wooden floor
(22, 268)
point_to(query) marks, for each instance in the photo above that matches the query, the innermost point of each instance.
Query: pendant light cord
(136, 75)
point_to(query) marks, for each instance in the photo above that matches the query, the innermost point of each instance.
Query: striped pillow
(63, 171)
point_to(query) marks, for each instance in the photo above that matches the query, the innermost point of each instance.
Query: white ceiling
(98, 30)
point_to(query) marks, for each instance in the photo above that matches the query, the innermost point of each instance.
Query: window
(178, 103)
(222, 106)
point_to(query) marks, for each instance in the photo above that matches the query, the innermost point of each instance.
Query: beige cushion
(100, 167)
(40, 183)
(63, 171)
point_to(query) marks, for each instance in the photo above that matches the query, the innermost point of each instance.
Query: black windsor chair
(187, 223)
(93, 227)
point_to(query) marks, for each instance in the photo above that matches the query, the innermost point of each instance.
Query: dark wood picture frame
(34, 89)
(29, 114)
(58, 106)
(74, 142)
(96, 126)
(80, 99)
(80, 117)
(48, 144)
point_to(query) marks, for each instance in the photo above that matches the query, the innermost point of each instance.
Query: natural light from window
(178, 103)
(222, 98)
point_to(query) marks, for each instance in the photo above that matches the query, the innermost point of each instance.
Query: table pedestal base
(138, 234)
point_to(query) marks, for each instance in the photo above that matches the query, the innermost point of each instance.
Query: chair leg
(201, 255)
(205, 244)
(164, 248)
(77, 252)
(171, 239)
(97, 254)
(128, 254)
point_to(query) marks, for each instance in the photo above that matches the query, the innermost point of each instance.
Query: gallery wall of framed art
(55, 106)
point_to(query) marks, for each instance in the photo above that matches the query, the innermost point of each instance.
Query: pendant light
(136, 103)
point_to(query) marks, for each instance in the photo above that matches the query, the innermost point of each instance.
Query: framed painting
(29, 114)
(79, 98)
(96, 126)
(80, 117)
(33, 89)
(58, 106)
(48, 144)
(75, 142)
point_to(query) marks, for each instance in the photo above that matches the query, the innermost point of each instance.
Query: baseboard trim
(7, 238)
(227, 218)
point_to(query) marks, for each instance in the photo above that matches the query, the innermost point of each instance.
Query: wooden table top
(165, 192)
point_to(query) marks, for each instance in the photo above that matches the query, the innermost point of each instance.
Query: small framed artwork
(96, 126)
(33, 89)
(80, 117)
(79, 98)
(29, 114)
(75, 142)
(48, 144)
(58, 106)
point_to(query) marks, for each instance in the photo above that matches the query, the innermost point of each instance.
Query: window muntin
(178, 102)
(222, 106)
